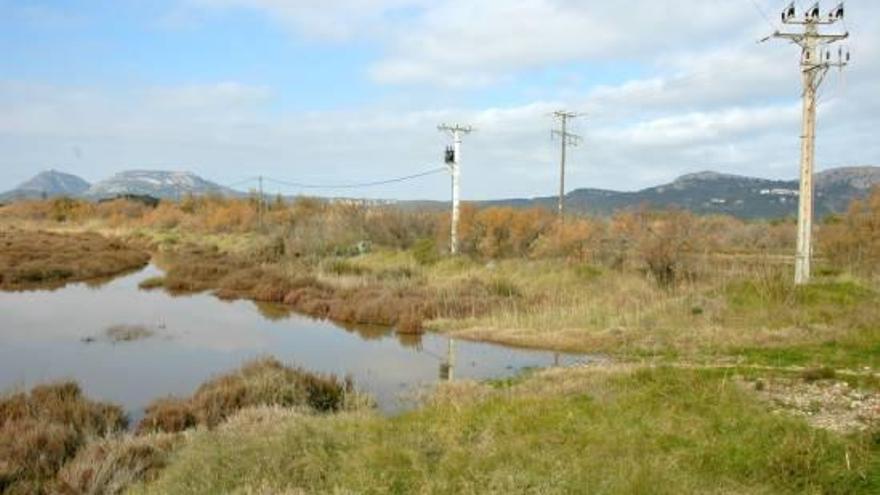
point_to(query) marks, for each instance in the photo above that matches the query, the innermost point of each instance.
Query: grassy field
(564, 431)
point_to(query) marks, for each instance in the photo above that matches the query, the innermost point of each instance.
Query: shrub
(257, 383)
(425, 252)
(41, 430)
(666, 243)
(110, 466)
(853, 241)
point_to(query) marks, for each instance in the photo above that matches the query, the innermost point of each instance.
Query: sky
(351, 91)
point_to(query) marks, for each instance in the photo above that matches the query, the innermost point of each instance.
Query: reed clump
(264, 382)
(35, 259)
(43, 429)
(110, 466)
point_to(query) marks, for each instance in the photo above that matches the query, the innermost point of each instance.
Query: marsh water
(61, 334)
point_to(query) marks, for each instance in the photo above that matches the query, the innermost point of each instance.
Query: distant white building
(779, 192)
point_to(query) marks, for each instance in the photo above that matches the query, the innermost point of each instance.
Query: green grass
(857, 350)
(651, 431)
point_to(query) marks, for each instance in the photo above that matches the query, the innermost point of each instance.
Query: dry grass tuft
(111, 466)
(41, 430)
(264, 382)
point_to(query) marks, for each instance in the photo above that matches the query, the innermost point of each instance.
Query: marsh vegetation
(690, 307)
(38, 259)
(54, 440)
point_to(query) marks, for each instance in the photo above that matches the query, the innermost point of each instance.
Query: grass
(263, 382)
(54, 440)
(110, 466)
(566, 431)
(128, 333)
(738, 308)
(152, 283)
(36, 259)
(43, 429)
(363, 290)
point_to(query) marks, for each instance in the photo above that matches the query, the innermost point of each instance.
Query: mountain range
(50, 183)
(713, 192)
(702, 192)
(155, 183)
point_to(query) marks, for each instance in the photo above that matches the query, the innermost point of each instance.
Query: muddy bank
(46, 260)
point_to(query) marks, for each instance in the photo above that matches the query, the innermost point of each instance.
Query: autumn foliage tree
(852, 242)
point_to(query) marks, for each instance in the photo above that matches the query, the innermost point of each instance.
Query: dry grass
(42, 430)
(34, 259)
(128, 333)
(110, 466)
(354, 294)
(264, 382)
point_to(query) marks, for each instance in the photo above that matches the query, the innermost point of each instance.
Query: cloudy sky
(344, 91)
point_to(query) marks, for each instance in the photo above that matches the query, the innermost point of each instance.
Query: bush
(257, 383)
(853, 241)
(111, 466)
(42, 430)
(425, 252)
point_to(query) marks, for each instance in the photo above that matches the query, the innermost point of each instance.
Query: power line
(241, 182)
(304, 185)
(763, 14)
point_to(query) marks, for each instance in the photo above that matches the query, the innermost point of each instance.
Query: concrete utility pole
(566, 139)
(260, 206)
(453, 161)
(815, 62)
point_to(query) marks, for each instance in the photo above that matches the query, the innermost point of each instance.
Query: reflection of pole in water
(451, 359)
(555, 359)
(447, 369)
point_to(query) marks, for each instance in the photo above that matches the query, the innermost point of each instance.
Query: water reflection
(198, 336)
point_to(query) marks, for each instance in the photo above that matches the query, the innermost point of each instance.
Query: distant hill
(712, 192)
(48, 184)
(158, 184)
(702, 192)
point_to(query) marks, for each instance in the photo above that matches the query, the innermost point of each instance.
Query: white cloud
(329, 20)
(711, 99)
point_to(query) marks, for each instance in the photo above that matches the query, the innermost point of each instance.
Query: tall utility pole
(453, 161)
(566, 139)
(815, 62)
(260, 206)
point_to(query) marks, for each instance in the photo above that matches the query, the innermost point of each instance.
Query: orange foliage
(853, 242)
